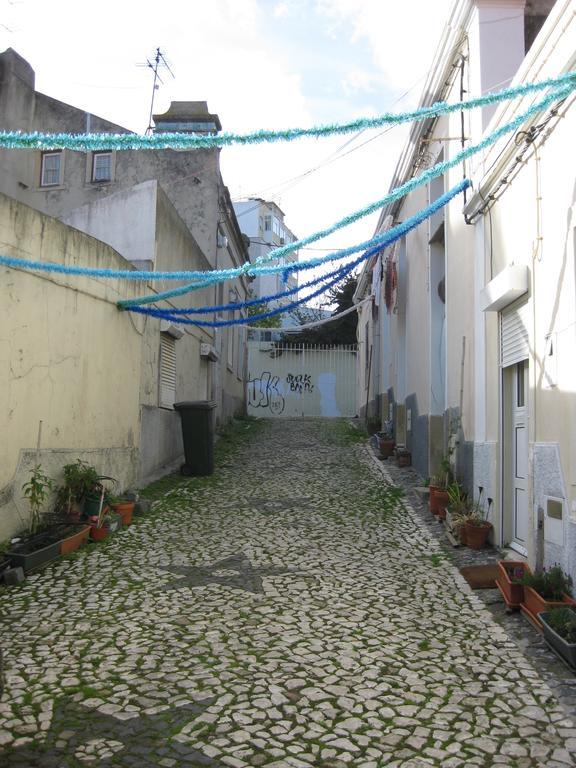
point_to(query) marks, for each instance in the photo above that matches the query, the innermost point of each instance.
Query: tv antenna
(158, 62)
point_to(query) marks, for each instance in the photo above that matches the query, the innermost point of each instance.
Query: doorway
(515, 464)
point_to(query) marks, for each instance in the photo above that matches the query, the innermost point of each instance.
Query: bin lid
(195, 405)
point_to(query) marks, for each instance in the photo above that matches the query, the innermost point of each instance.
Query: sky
(258, 64)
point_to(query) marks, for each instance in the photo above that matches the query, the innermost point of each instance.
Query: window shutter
(167, 370)
(514, 336)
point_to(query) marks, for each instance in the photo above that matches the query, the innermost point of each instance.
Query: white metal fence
(288, 381)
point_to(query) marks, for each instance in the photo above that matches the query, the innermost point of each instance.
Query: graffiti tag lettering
(263, 393)
(300, 382)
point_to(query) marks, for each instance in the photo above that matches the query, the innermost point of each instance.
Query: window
(267, 223)
(102, 166)
(51, 169)
(167, 394)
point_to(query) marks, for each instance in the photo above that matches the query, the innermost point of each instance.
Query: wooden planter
(477, 535)
(512, 592)
(125, 509)
(562, 647)
(75, 540)
(534, 604)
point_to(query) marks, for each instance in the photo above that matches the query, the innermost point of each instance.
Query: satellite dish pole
(157, 62)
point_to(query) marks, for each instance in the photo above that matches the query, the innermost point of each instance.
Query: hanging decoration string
(395, 194)
(378, 244)
(391, 236)
(215, 276)
(89, 142)
(318, 323)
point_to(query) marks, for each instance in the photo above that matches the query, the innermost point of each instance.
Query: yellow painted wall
(68, 359)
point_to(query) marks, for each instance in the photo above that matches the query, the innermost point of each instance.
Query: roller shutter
(167, 370)
(514, 334)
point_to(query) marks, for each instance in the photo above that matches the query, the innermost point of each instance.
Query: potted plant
(403, 456)
(438, 489)
(509, 581)
(123, 506)
(38, 545)
(559, 626)
(545, 590)
(107, 522)
(79, 496)
(477, 525)
(372, 424)
(386, 442)
(457, 511)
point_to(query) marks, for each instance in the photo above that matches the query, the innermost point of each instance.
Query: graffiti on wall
(300, 382)
(263, 392)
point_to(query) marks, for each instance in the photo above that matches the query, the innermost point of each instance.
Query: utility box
(197, 417)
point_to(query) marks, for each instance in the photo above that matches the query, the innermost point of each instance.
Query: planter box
(533, 605)
(563, 648)
(457, 531)
(512, 593)
(76, 540)
(34, 553)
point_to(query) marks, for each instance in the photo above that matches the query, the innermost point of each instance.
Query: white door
(519, 463)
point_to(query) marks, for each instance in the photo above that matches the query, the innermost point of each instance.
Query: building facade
(262, 222)
(473, 340)
(155, 210)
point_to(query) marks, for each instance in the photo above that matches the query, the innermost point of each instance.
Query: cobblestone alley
(290, 611)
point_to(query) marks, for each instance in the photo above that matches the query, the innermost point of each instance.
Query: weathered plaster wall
(70, 359)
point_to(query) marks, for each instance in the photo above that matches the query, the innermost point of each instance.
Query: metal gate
(288, 381)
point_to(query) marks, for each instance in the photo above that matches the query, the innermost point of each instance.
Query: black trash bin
(197, 418)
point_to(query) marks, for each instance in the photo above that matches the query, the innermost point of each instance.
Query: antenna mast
(157, 62)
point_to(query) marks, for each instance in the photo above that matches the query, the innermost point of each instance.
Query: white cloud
(402, 36)
(281, 10)
(358, 81)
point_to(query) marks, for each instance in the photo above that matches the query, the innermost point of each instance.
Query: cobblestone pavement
(291, 611)
(560, 678)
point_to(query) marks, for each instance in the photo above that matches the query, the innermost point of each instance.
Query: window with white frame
(167, 378)
(101, 166)
(51, 169)
(267, 223)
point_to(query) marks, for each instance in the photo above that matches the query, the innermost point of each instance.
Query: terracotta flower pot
(125, 509)
(438, 500)
(534, 604)
(98, 534)
(512, 592)
(386, 447)
(75, 540)
(477, 534)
